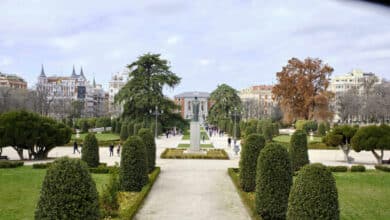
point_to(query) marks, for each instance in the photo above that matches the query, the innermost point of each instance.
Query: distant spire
(82, 73)
(42, 72)
(73, 72)
(94, 83)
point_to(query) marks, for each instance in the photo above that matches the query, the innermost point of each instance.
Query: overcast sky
(241, 43)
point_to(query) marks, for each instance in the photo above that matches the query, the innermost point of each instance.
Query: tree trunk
(378, 157)
(346, 149)
(19, 151)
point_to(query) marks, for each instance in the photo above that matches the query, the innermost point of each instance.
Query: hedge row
(382, 168)
(11, 164)
(213, 154)
(354, 168)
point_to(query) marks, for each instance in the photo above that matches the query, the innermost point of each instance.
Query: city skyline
(207, 43)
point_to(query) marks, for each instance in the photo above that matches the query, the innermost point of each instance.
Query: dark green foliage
(137, 127)
(133, 173)
(313, 195)
(150, 145)
(250, 151)
(250, 127)
(109, 198)
(11, 164)
(90, 150)
(338, 168)
(371, 138)
(103, 122)
(130, 129)
(268, 131)
(29, 131)
(310, 126)
(382, 168)
(41, 165)
(124, 134)
(273, 181)
(275, 129)
(358, 168)
(322, 129)
(118, 127)
(84, 126)
(68, 192)
(298, 150)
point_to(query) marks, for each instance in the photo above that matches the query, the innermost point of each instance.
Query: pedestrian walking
(112, 149)
(118, 149)
(229, 141)
(203, 138)
(75, 148)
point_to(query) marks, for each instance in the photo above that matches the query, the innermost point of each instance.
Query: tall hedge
(248, 161)
(321, 129)
(133, 174)
(313, 195)
(150, 145)
(68, 192)
(273, 181)
(130, 129)
(90, 150)
(298, 150)
(124, 134)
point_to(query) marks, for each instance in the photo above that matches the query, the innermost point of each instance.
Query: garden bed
(130, 202)
(362, 195)
(177, 153)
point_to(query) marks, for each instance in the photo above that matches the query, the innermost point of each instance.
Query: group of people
(111, 149)
(214, 131)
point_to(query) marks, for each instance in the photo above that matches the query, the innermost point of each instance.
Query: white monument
(195, 129)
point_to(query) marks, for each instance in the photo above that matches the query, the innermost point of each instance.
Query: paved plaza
(199, 189)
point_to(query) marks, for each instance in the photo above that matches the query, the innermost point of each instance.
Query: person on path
(75, 148)
(112, 149)
(203, 138)
(118, 149)
(229, 141)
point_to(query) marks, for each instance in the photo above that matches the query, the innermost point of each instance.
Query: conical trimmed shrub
(68, 192)
(249, 154)
(133, 173)
(90, 150)
(124, 133)
(298, 150)
(273, 182)
(313, 195)
(150, 145)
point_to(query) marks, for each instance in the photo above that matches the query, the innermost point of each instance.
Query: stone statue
(195, 109)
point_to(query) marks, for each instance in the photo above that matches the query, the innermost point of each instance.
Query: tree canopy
(225, 99)
(301, 90)
(29, 131)
(371, 138)
(147, 77)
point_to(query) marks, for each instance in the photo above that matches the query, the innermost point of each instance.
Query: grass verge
(201, 145)
(177, 153)
(104, 139)
(362, 195)
(186, 135)
(20, 188)
(130, 202)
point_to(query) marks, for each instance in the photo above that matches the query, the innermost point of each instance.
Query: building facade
(12, 81)
(118, 80)
(351, 80)
(257, 101)
(185, 101)
(75, 87)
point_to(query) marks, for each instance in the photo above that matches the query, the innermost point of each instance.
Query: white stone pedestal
(194, 136)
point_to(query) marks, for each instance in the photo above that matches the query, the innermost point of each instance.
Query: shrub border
(195, 156)
(382, 168)
(249, 205)
(6, 164)
(130, 212)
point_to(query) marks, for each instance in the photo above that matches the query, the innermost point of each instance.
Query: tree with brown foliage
(301, 90)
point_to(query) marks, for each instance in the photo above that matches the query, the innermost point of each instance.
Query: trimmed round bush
(298, 150)
(322, 129)
(130, 129)
(150, 145)
(358, 168)
(273, 181)
(313, 195)
(68, 192)
(90, 150)
(249, 154)
(133, 173)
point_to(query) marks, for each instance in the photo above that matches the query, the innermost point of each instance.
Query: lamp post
(156, 113)
(235, 114)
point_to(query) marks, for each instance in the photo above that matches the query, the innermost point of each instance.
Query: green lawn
(19, 191)
(201, 145)
(286, 139)
(100, 137)
(361, 195)
(186, 135)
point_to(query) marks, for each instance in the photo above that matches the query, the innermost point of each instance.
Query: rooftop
(193, 95)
